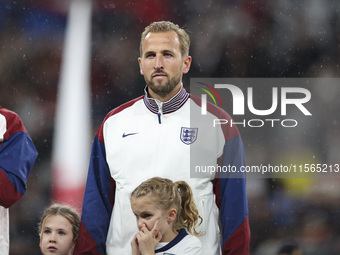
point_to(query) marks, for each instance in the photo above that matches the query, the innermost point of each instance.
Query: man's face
(162, 64)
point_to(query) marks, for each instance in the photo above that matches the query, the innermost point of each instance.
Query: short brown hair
(165, 26)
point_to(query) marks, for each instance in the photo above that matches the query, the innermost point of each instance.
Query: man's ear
(186, 64)
(140, 66)
(172, 213)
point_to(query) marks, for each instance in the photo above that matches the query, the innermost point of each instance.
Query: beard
(163, 89)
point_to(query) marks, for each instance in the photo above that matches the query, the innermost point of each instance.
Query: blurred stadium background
(238, 38)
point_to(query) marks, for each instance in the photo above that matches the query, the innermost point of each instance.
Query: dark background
(236, 38)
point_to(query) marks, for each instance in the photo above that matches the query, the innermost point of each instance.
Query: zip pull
(159, 117)
(160, 107)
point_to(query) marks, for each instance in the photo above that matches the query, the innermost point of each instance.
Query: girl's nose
(52, 238)
(140, 223)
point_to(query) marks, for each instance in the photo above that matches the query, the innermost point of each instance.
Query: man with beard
(151, 136)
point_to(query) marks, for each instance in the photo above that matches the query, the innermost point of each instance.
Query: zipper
(160, 106)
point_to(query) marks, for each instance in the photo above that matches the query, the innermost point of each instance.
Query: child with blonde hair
(58, 230)
(166, 218)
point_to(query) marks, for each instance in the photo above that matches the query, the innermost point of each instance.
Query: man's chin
(161, 88)
(160, 81)
(160, 92)
(158, 86)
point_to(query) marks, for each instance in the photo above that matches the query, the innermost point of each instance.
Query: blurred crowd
(237, 38)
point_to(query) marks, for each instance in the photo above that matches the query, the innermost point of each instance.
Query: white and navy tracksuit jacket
(183, 243)
(17, 157)
(144, 138)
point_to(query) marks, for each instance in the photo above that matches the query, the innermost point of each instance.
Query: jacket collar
(176, 102)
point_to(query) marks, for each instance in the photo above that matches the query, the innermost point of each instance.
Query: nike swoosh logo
(125, 135)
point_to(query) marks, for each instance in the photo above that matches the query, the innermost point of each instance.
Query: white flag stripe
(72, 123)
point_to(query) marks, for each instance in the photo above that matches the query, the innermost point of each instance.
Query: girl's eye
(145, 216)
(47, 231)
(61, 233)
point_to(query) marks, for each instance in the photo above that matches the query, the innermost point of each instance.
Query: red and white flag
(72, 134)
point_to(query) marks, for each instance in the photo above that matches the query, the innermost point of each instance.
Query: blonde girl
(166, 218)
(58, 230)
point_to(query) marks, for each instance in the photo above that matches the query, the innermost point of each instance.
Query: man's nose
(159, 62)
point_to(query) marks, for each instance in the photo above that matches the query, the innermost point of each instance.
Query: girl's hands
(145, 241)
(134, 246)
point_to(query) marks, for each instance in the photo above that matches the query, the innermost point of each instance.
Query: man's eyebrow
(149, 52)
(167, 51)
(163, 51)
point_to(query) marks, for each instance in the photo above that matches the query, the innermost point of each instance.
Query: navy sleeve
(17, 157)
(231, 193)
(97, 204)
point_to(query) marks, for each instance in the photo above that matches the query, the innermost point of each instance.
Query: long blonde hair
(169, 194)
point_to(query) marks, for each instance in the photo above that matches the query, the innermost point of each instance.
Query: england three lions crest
(188, 135)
